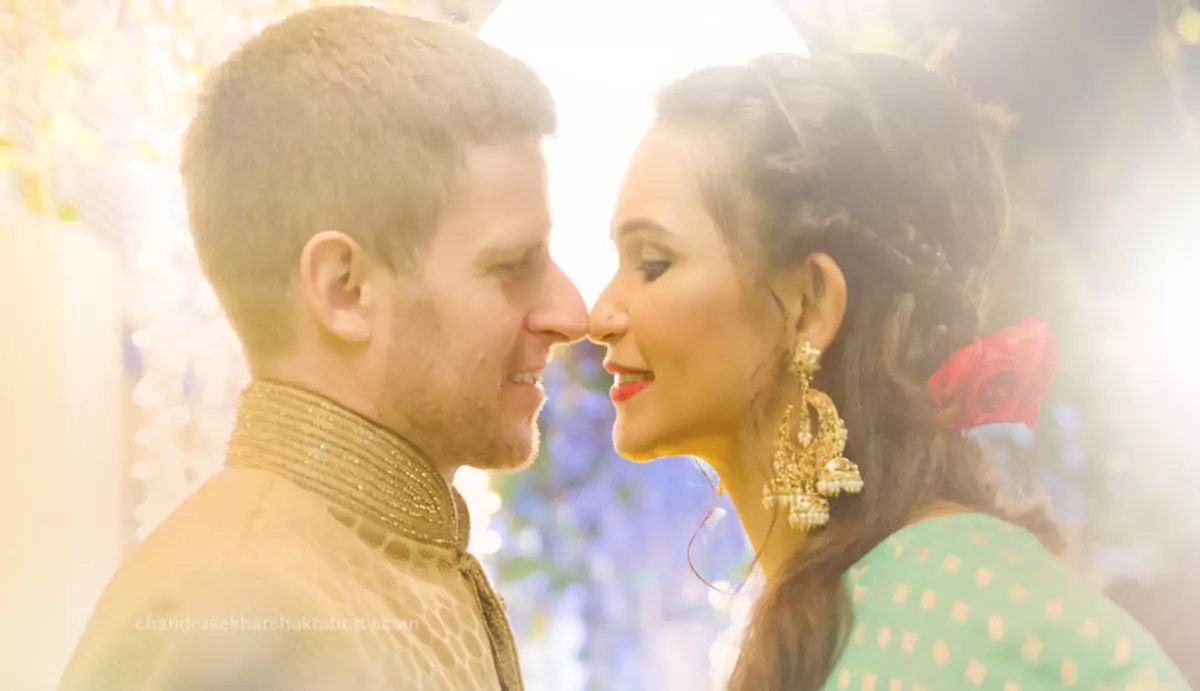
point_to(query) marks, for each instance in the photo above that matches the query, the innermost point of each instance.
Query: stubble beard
(454, 420)
(466, 430)
(451, 411)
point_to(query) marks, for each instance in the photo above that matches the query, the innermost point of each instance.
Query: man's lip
(614, 368)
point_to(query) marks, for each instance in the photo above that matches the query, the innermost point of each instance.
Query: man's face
(471, 329)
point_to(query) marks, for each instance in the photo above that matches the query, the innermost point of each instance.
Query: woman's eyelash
(652, 269)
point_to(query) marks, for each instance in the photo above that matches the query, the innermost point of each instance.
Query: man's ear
(335, 283)
(814, 299)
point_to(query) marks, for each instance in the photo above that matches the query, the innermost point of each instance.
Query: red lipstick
(623, 392)
(629, 382)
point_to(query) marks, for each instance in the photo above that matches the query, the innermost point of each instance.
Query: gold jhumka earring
(809, 463)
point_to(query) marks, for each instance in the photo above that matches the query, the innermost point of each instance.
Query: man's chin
(512, 465)
(503, 465)
(513, 455)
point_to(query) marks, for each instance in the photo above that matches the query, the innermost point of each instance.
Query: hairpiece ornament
(999, 378)
(809, 463)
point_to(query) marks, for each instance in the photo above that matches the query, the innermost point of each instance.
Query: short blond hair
(339, 118)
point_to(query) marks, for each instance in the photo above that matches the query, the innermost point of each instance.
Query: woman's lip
(614, 368)
(623, 392)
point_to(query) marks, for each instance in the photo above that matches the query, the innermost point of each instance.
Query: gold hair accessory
(809, 465)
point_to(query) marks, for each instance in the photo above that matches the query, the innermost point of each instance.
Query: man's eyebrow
(509, 251)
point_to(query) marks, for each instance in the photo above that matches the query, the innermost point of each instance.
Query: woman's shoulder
(969, 597)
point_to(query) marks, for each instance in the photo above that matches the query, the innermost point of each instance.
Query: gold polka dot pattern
(969, 601)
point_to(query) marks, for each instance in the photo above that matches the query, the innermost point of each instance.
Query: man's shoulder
(211, 581)
(231, 613)
(221, 545)
(239, 516)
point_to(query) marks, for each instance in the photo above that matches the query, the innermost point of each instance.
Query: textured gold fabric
(327, 556)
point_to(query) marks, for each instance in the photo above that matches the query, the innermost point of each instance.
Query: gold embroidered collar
(349, 460)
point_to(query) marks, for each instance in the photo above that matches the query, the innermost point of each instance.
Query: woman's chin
(633, 447)
(637, 458)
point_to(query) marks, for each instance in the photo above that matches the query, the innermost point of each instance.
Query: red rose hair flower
(1000, 378)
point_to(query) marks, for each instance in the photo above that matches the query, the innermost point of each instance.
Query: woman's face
(686, 341)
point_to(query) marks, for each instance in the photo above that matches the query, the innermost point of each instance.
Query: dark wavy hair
(880, 164)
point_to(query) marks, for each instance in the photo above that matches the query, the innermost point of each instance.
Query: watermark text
(236, 623)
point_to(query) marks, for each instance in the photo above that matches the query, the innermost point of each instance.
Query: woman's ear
(814, 299)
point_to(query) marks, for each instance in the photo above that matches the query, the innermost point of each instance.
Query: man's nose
(562, 315)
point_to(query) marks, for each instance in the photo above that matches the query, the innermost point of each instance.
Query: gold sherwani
(327, 556)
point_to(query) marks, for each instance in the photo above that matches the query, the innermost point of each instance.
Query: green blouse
(970, 602)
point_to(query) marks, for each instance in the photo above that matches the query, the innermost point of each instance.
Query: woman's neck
(744, 471)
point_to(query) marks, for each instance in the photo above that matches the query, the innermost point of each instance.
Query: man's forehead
(501, 236)
(497, 164)
(501, 205)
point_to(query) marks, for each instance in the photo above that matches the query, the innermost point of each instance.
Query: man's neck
(338, 384)
(329, 450)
